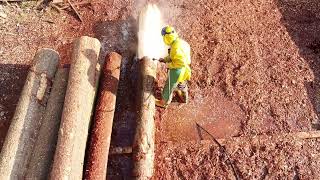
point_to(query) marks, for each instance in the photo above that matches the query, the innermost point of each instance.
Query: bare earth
(255, 72)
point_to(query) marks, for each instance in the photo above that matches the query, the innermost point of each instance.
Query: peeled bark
(98, 149)
(143, 146)
(42, 156)
(77, 110)
(18, 146)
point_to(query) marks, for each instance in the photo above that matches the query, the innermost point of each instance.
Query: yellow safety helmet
(169, 35)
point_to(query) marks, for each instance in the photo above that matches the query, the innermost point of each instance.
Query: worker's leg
(183, 91)
(171, 84)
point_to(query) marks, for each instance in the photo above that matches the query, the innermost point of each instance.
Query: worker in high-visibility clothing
(178, 61)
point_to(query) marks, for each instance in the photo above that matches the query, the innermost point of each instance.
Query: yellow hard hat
(169, 35)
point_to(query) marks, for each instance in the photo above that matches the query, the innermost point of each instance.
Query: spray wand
(160, 59)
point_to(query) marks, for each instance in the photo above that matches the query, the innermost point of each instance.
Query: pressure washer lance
(160, 59)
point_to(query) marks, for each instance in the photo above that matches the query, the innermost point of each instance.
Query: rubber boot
(183, 92)
(182, 96)
(161, 103)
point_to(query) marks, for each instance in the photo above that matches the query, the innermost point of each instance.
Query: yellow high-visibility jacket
(179, 57)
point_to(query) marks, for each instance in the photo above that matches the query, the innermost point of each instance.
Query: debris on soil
(271, 158)
(222, 150)
(10, 1)
(3, 15)
(76, 4)
(58, 9)
(75, 11)
(57, 1)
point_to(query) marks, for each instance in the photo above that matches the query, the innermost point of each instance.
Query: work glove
(160, 59)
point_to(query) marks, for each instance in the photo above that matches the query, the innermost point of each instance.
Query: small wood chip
(120, 150)
(48, 21)
(3, 15)
(10, 1)
(76, 4)
(74, 9)
(55, 7)
(57, 1)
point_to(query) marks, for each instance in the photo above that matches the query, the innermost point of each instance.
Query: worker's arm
(167, 59)
(177, 59)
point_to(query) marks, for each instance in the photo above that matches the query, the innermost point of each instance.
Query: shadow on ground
(302, 21)
(12, 79)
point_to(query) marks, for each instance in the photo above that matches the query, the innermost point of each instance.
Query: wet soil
(210, 110)
(255, 71)
(260, 158)
(245, 50)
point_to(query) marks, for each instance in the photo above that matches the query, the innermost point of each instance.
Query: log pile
(23, 131)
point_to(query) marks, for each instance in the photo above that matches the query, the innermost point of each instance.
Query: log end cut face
(47, 62)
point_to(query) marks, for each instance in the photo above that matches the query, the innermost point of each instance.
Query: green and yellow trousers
(175, 82)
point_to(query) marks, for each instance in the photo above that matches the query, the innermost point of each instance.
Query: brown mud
(213, 111)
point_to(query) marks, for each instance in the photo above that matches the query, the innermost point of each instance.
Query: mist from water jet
(149, 35)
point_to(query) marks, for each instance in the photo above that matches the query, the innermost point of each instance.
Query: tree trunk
(23, 131)
(77, 110)
(98, 149)
(42, 156)
(143, 146)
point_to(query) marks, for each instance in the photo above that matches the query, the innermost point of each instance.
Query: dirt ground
(263, 57)
(253, 158)
(255, 72)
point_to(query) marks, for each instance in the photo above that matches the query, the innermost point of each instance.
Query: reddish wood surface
(96, 165)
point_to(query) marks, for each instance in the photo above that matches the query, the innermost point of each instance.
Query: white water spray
(149, 35)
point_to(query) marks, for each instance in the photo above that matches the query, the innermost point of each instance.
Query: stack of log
(24, 129)
(37, 144)
(47, 138)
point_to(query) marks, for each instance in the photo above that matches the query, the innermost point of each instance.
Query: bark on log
(143, 146)
(43, 152)
(79, 100)
(24, 128)
(96, 165)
